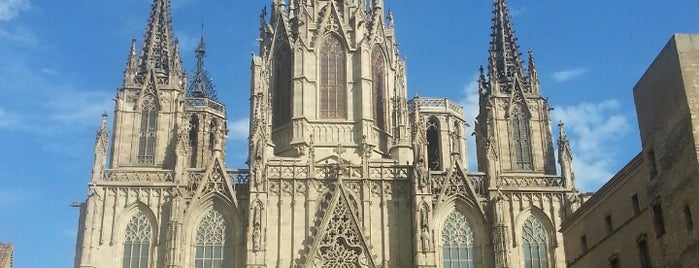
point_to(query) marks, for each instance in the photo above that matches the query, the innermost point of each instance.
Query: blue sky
(61, 62)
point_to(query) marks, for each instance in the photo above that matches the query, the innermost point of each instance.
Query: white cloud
(593, 130)
(83, 107)
(18, 35)
(238, 129)
(469, 100)
(567, 75)
(9, 9)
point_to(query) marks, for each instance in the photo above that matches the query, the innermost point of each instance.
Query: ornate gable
(339, 241)
(215, 181)
(455, 184)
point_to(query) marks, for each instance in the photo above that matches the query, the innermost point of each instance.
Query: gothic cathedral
(344, 170)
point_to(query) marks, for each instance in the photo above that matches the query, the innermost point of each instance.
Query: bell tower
(151, 100)
(513, 130)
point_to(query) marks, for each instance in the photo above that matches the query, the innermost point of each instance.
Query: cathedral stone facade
(344, 170)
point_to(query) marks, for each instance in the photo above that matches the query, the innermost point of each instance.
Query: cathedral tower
(165, 198)
(331, 75)
(527, 199)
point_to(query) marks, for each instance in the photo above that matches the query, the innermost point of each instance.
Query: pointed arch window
(212, 242)
(137, 242)
(434, 148)
(378, 88)
(147, 133)
(458, 244)
(520, 138)
(534, 243)
(281, 109)
(332, 79)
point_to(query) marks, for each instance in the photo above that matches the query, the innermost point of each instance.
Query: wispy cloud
(238, 129)
(10, 9)
(567, 75)
(469, 100)
(18, 35)
(594, 130)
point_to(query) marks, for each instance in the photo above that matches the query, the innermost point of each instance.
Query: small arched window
(534, 243)
(458, 244)
(194, 139)
(434, 149)
(213, 248)
(519, 125)
(332, 79)
(378, 88)
(147, 132)
(282, 97)
(137, 242)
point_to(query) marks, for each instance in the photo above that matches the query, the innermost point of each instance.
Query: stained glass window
(534, 244)
(458, 247)
(378, 73)
(212, 246)
(520, 138)
(281, 109)
(137, 242)
(149, 122)
(332, 79)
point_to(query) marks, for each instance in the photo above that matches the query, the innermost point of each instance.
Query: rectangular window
(583, 243)
(643, 253)
(658, 219)
(688, 219)
(608, 223)
(636, 204)
(652, 164)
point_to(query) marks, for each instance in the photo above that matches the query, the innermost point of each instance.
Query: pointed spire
(533, 73)
(159, 49)
(505, 64)
(102, 135)
(563, 143)
(101, 142)
(131, 65)
(201, 86)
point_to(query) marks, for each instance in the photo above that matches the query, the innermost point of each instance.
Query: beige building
(6, 255)
(644, 216)
(344, 170)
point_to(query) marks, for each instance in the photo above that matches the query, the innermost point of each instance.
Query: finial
(390, 18)
(104, 120)
(562, 132)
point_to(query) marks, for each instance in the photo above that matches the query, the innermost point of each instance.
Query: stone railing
(435, 105)
(138, 175)
(526, 181)
(203, 103)
(330, 171)
(239, 176)
(478, 182)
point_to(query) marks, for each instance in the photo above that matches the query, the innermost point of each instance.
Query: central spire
(160, 48)
(505, 63)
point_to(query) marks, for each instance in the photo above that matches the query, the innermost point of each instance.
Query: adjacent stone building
(6, 255)
(644, 216)
(344, 170)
